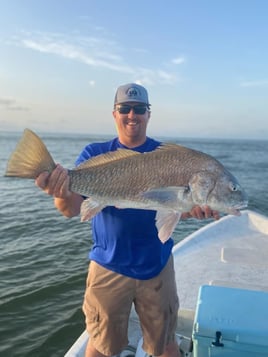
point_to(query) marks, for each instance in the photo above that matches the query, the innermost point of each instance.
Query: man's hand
(201, 213)
(55, 184)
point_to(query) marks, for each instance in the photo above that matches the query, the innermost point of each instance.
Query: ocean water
(43, 259)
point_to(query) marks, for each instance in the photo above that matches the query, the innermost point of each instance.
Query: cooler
(230, 322)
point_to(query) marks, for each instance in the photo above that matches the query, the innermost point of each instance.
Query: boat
(222, 283)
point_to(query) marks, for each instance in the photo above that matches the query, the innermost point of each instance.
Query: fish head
(219, 190)
(227, 196)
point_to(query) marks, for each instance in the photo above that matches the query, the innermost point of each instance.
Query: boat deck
(231, 252)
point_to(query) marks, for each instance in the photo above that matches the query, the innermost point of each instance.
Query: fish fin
(166, 195)
(107, 158)
(166, 222)
(30, 157)
(171, 146)
(89, 209)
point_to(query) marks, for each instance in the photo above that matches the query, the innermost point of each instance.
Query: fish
(169, 180)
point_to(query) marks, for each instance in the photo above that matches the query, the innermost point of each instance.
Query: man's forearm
(70, 206)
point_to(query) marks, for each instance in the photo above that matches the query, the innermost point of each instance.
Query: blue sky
(204, 63)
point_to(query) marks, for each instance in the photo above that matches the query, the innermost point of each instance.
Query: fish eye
(233, 187)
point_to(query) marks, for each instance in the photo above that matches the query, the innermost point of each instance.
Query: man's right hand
(55, 184)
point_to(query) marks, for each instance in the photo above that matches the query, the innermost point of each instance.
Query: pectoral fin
(89, 209)
(166, 222)
(169, 196)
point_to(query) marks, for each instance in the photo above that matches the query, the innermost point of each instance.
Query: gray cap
(131, 92)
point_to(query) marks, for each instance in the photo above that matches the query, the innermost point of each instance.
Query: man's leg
(172, 350)
(157, 304)
(92, 352)
(107, 305)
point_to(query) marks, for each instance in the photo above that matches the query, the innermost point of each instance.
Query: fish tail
(30, 157)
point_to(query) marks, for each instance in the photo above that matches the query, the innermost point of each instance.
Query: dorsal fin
(170, 146)
(107, 157)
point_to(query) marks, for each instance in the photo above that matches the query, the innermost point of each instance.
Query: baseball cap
(131, 92)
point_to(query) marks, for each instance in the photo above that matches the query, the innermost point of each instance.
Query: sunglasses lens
(124, 109)
(138, 109)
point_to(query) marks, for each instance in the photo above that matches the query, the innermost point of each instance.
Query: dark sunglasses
(138, 109)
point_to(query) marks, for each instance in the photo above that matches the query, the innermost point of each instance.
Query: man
(129, 264)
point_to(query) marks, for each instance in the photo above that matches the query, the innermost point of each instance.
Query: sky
(203, 62)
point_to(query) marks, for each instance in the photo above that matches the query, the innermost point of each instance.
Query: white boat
(222, 266)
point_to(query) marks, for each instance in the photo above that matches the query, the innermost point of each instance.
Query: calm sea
(43, 261)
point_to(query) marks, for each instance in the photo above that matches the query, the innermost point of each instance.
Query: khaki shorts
(107, 304)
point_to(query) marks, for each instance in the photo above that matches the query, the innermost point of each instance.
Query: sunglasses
(138, 109)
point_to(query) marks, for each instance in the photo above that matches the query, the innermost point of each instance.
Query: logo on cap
(132, 92)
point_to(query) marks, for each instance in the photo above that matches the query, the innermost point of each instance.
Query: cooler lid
(240, 315)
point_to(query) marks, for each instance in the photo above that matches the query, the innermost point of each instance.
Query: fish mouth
(235, 210)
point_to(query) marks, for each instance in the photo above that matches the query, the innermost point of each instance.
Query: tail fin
(30, 157)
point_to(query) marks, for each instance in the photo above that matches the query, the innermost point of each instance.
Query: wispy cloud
(97, 51)
(260, 83)
(166, 76)
(178, 60)
(72, 52)
(11, 104)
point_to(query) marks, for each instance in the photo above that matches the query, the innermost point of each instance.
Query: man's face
(131, 119)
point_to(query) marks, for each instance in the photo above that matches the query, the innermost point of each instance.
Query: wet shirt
(126, 240)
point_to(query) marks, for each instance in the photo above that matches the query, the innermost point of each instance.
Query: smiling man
(131, 113)
(128, 263)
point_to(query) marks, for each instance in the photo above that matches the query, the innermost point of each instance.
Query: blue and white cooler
(230, 322)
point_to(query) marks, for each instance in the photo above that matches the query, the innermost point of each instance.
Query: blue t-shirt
(126, 240)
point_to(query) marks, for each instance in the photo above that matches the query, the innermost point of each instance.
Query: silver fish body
(170, 180)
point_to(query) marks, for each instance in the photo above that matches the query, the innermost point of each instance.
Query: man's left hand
(201, 213)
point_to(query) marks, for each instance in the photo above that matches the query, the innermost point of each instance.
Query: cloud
(167, 77)
(97, 51)
(178, 60)
(260, 83)
(11, 104)
(96, 59)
